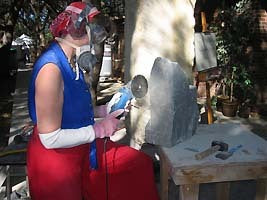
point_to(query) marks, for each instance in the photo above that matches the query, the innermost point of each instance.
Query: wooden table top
(248, 162)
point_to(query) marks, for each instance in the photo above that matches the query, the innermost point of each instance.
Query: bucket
(229, 109)
(220, 100)
(106, 68)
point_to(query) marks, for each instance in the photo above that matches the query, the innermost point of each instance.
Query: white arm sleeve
(66, 138)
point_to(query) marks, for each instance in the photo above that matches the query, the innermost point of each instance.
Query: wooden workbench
(249, 162)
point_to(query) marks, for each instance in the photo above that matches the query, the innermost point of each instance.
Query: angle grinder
(136, 88)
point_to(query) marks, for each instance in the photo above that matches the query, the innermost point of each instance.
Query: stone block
(173, 105)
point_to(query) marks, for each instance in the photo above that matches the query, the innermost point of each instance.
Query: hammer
(215, 146)
(227, 154)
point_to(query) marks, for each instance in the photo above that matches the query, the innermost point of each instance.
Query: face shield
(97, 32)
(78, 20)
(74, 19)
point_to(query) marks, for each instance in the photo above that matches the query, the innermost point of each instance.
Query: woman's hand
(108, 126)
(101, 111)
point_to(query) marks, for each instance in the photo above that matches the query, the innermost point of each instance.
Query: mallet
(227, 154)
(215, 146)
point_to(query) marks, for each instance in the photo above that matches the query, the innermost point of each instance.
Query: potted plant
(232, 26)
(220, 97)
(230, 106)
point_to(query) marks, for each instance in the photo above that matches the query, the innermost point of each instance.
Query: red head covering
(64, 23)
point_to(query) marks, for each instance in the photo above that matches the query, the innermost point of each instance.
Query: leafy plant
(234, 27)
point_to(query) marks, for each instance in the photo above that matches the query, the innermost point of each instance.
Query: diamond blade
(139, 86)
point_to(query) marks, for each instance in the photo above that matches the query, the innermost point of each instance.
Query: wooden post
(261, 190)
(8, 184)
(189, 192)
(208, 101)
(210, 114)
(203, 21)
(222, 191)
(164, 184)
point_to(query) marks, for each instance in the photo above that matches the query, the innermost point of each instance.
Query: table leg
(210, 113)
(222, 191)
(189, 192)
(164, 184)
(261, 190)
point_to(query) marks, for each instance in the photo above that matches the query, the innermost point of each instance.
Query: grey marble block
(173, 105)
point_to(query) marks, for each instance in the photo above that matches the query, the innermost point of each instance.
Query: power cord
(106, 166)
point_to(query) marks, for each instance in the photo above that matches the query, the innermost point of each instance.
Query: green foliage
(213, 101)
(113, 8)
(34, 17)
(234, 29)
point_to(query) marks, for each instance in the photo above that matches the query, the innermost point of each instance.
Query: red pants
(57, 174)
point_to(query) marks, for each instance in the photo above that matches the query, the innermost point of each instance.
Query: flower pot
(220, 99)
(244, 111)
(229, 108)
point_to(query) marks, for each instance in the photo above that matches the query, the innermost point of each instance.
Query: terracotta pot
(244, 111)
(229, 109)
(220, 99)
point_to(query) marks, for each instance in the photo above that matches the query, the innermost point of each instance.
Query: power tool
(136, 88)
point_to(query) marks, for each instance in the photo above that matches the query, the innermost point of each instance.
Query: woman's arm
(49, 102)
(49, 98)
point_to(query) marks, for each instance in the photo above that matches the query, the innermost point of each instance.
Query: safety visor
(66, 22)
(81, 13)
(88, 10)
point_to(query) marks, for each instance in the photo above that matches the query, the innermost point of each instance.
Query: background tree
(33, 17)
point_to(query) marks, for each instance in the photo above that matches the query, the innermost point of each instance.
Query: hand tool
(25, 134)
(191, 149)
(215, 146)
(227, 154)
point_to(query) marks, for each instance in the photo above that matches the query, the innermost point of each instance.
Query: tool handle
(234, 149)
(126, 95)
(207, 152)
(9, 152)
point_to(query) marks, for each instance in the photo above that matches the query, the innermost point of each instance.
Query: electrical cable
(106, 166)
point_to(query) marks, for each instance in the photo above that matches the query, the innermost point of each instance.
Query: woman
(60, 106)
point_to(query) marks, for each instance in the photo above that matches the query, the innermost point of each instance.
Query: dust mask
(84, 58)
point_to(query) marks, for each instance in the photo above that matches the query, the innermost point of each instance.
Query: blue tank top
(77, 106)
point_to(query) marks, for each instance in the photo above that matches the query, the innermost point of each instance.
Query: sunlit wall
(156, 28)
